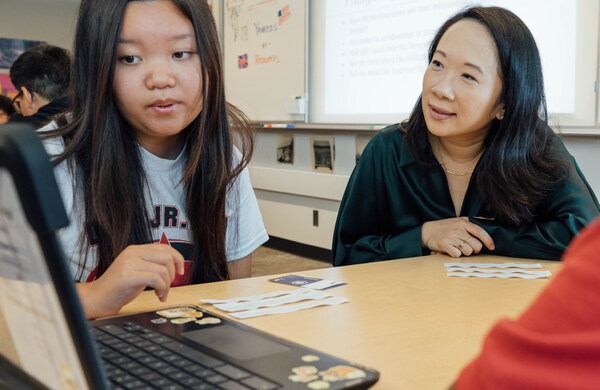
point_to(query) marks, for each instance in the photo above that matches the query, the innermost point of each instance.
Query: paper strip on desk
(491, 270)
(497, 275)
(289, 308)
(492, 265)
(258, 305)
(302, 295)
(251, 298)
(498, 271)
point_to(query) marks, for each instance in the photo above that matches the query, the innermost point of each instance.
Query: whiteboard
(368, 57)
(265, 58)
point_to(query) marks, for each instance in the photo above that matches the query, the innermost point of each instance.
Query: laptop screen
(44, 333)
(38, 339)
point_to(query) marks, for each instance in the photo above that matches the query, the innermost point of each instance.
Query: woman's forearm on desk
(371, 247)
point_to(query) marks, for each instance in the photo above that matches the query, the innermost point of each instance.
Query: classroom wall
(52, 21)
(288, 195)
(586, 150)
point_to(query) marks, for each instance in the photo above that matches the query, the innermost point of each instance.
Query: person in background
(6, 109)
(476, 167)
(41, 75)
(157, 193)
(555, 344)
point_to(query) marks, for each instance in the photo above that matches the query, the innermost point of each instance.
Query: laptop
(47, 342)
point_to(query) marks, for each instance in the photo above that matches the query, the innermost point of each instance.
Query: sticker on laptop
(339, 373)
(318, 385)
(304, 374)
(320, 379)
(159, 320)
(302, 378)
(305, 370)
(209, 321)
(180, 312)
(310, 358)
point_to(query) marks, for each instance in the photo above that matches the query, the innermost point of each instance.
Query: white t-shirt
(166, 210)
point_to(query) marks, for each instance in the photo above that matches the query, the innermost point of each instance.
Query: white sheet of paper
(496, 275)
(289, 308)
(270, 302)
(498, 271)
(250, 298)
(492, 265)
(259, 305)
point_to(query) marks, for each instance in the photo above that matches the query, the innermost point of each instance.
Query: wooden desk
(406, 318)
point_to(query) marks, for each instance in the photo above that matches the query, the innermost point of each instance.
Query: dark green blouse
(389, 196)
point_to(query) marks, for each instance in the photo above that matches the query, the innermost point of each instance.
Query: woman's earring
(502, 117)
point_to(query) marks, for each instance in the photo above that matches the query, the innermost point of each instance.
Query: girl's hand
(455, 236)
(136, 267)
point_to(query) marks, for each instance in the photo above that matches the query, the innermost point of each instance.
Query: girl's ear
(500, 114)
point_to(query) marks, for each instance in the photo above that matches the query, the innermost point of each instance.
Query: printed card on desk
(308, 282)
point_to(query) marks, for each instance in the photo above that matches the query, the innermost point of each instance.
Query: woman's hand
(455, 236)
(136, 267)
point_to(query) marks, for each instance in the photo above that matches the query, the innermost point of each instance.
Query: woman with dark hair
(475, 168)
(157, 192)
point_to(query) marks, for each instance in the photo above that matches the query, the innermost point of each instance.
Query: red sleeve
(555, 344)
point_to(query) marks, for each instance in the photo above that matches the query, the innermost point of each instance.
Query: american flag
(284, 14)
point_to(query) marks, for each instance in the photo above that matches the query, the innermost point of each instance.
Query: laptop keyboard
(138, 358)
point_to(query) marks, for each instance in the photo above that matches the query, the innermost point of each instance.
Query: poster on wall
(6, 86)
(322, 154)
(285, 148)
(10, 49)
